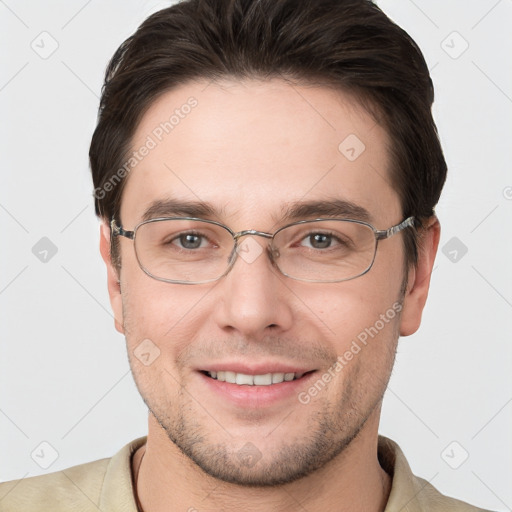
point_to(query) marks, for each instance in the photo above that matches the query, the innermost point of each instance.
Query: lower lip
(257, 396)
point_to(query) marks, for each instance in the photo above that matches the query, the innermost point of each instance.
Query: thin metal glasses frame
(380, 234)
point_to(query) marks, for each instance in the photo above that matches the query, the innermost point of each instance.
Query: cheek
(158, 321)
(166, 314)
(355, 305)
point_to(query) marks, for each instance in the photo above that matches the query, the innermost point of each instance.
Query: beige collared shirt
(106, 485)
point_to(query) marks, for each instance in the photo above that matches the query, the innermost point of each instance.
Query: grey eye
(320, 240)
(189, 241)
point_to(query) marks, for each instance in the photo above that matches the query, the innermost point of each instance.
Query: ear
(113, 283)
(419, 278)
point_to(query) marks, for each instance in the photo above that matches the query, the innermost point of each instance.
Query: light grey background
(64, 375)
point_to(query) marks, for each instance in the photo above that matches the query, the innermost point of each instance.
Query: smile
(243, 379)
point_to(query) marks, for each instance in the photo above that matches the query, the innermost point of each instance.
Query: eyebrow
(179, 208)
(298, 210)
(332, 208)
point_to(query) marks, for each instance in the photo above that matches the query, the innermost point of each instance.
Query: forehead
(251, 148)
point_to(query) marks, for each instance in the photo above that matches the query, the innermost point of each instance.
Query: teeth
(254, 380)
(244, 379)
(263, 380)
(277, 378)
(230, 377)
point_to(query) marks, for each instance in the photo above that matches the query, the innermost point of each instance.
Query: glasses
(188, 250)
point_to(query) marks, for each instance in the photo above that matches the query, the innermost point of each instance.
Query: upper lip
(255, 368)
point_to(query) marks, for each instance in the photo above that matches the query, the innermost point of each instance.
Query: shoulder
(410, 493)
(79, 485)
(104, 484)
(429, 498)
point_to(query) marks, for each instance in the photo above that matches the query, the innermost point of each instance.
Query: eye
(321, 240)
(190, 241)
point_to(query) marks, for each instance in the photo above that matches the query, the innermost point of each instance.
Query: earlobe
(419, 278)
(113, 278)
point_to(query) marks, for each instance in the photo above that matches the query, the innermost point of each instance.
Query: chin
(250, 463)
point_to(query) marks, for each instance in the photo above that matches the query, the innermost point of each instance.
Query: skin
(250, 148)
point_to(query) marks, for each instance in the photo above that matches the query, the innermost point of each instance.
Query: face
(251, 150)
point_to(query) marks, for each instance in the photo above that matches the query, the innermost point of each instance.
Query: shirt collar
(117, 494)
(406, 489)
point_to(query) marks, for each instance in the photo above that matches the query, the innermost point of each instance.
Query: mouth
(255, 385)
(263, 379)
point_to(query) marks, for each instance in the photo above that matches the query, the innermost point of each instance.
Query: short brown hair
(347, 44)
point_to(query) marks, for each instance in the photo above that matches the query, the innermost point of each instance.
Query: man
(266, 172)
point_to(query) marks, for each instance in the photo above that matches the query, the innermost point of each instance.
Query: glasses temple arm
(119, 231)
(393, 230)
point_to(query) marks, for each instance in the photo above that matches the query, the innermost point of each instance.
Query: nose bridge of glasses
(272, 252)
(252, 232)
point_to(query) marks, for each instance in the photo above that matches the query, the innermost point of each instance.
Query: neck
(353, 481)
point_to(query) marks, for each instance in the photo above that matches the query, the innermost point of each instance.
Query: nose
(253, 297)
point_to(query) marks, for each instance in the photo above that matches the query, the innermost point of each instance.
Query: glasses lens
(325, 251)
(188, 251)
